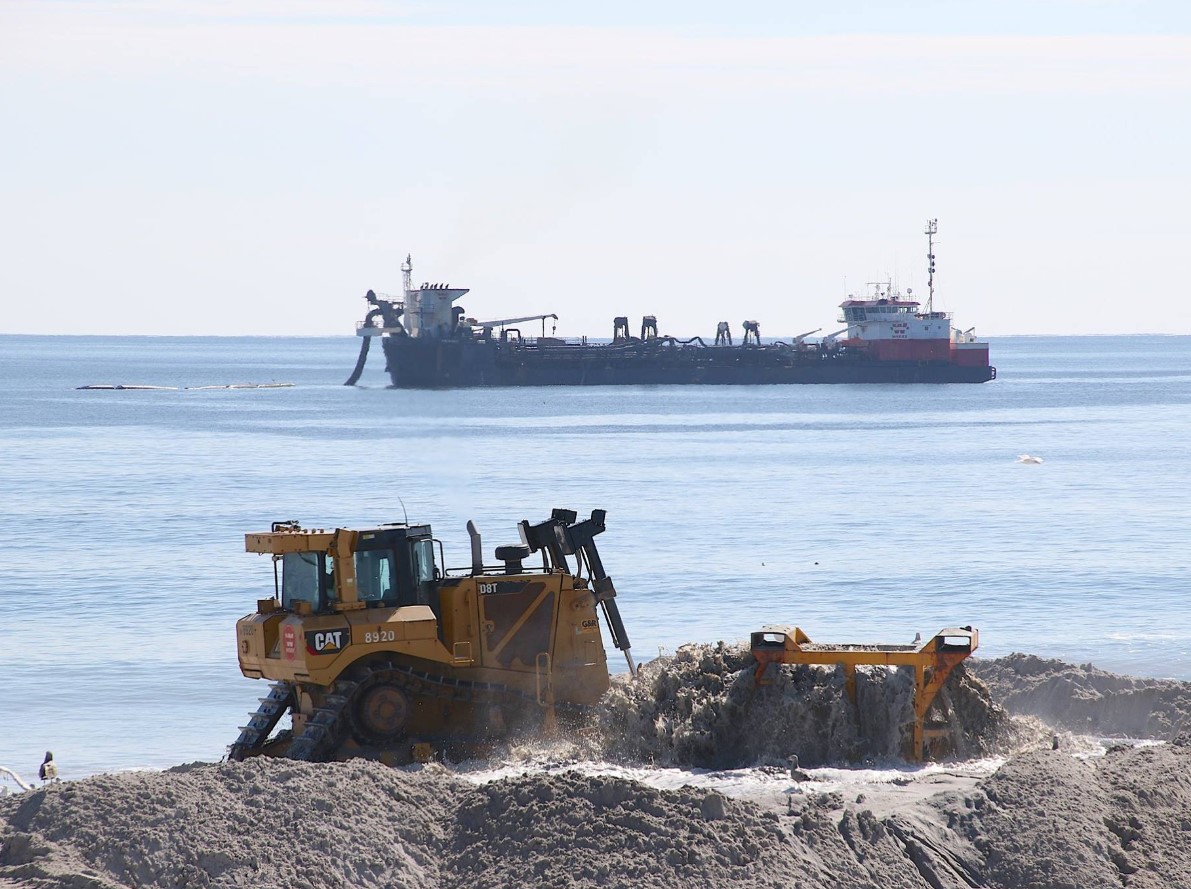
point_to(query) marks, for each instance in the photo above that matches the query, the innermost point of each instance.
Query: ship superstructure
(892, 327)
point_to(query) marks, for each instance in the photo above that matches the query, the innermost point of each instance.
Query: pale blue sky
(254, 167)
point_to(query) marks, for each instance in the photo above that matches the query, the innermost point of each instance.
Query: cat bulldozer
(375, 649)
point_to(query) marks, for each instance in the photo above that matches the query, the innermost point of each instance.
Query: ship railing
(552, 341)
(365, 329)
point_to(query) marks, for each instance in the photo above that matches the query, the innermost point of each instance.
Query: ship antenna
(404, 514)
(407, 269)
(932, 229)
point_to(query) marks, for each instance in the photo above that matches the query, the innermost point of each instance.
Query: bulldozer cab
(386, 567)
(396, 566)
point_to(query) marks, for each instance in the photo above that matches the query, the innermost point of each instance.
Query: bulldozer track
(260, 723)
(331, 723)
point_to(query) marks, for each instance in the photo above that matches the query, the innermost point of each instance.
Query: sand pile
(269, 823)
(701, 707)
(264, 823)
(1087, 700)
(599, 831)
(1046, 820)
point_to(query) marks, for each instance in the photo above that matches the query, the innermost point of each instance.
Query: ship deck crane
(798, 339)
(503, 322)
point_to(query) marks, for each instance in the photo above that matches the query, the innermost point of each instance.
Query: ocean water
(860, 513)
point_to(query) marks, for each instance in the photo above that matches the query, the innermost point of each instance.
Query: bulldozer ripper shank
(375, 649)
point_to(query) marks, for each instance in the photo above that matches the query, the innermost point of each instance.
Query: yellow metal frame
(340, 543)
(932, 660)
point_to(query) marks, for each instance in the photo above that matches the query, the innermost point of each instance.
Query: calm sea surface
(861, 513)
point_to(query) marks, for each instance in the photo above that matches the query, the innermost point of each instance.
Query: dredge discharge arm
(389, 312)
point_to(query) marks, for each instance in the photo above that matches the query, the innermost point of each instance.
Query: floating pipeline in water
(133, 387)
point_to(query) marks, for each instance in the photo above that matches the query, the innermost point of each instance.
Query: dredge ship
(888, 337)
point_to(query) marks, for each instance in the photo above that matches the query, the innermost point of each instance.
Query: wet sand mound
(600, 831)
(701, 708)
(264, 823)
(269, 823)
(1087, 700)
(1045, 820)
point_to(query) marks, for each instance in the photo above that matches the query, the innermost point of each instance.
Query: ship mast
(407, 269)
(932, 228)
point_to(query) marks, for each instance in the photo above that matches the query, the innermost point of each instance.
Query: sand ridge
(1045, 819)
(702, 707)
(1088, 700)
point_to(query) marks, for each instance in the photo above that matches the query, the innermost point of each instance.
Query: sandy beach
(1069, 778)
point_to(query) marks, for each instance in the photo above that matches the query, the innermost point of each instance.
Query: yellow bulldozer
(376, 649)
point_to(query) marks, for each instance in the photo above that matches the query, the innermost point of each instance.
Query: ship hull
(430, 363)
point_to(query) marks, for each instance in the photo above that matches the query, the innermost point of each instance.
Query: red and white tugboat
(893, 328)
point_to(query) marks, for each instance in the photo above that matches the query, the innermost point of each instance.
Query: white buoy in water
(1026, 458)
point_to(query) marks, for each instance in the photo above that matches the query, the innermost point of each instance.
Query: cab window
(328, 579)
(424, 560)
(375, 576)
(300, 579)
